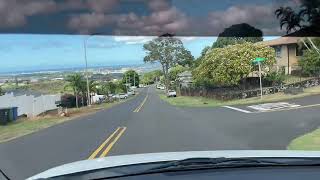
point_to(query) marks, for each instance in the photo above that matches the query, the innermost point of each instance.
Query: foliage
(108, 88)
(237, 34)
(129, 76)
(1, 91)
(120, 87)
(227, 66)
(169, 51)
(275, 77)
(174, 71)
(151, 77)
(307, 16)
(76, 83)
(310, 62)
(200, 58)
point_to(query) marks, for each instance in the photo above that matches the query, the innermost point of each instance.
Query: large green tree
(75, 81)
(227, 66)
(131, 77)
(168, 51)
(237, 34)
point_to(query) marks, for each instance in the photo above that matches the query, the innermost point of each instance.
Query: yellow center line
(95, 153)
(106, 151)
(140, 106)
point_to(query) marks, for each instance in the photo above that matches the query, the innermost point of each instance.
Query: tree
(108, 88)
(237, 34)
(169, 51)
(75, 82)
(131, 77)
(1, 91)
(174, 71)
(307, 18)
(310, 63)
(227, 66)
(151, 77)
(202, 55)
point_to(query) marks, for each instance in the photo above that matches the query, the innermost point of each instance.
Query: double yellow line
(114, 137)
(141, 105)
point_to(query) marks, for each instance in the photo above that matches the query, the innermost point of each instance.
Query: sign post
(258, 61)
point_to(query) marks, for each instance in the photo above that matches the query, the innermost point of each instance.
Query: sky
(32, 52)
(139, 17)
(27, 52)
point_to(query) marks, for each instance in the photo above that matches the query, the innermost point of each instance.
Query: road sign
(256, 60)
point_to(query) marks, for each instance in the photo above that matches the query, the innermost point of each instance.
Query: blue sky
(34, 52)
(30, 52)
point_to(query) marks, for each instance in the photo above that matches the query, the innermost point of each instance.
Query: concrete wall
(30, 105)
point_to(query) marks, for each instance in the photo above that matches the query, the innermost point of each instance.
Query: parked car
(172, 93)
(130, 93)
(123, 96)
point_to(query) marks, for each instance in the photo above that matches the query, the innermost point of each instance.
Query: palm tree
(309, 11)
(75, 82)
(289, 18)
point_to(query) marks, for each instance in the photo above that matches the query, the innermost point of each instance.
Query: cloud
(133, 39)
(86, 23)
(253, 15)
(14, 13)
(144, 39)
(102, 6)
(158, 5)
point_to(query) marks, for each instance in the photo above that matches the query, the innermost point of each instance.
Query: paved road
(147, 124)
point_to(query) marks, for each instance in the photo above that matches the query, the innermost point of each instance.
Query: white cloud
(133, 39)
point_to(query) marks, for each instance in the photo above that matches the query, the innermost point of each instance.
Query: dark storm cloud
(160, 16)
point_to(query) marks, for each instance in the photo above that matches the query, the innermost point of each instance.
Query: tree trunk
(77, 103)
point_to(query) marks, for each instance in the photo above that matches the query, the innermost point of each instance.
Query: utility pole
(259, 64)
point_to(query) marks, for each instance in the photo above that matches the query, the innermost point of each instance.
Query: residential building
(288, 53)
(185, 79)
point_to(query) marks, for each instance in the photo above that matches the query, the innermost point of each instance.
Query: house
(185, 79)
(288, 52)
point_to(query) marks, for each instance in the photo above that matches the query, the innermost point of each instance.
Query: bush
(310, 63)
(276, 78)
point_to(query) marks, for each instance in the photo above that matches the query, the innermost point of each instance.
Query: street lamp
(85, 41)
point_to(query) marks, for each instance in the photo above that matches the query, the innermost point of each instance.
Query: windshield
(87, 79)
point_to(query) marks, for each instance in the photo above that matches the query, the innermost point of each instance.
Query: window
(299, 50)
(278, 51)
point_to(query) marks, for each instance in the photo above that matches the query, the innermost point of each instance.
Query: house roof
(281, 41)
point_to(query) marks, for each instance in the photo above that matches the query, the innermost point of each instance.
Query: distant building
(287, 52)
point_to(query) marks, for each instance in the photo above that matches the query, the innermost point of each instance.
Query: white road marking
(237, 109)
(273, 106)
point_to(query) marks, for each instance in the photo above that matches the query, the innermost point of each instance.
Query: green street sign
(259, 60)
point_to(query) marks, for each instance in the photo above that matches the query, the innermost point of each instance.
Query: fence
(30, 105)
(234, 93)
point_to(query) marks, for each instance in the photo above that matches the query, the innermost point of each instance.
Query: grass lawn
(26, 126)
(310, 141)
(187, 101)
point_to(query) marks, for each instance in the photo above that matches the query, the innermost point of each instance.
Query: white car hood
(114, 161)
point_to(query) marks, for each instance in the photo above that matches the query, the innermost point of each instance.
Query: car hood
(114, 161)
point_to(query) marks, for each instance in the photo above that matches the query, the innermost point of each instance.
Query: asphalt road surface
(147, 124)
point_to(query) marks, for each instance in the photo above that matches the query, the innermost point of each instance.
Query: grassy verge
(27, 126)
(187, 101)
(310, 141)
